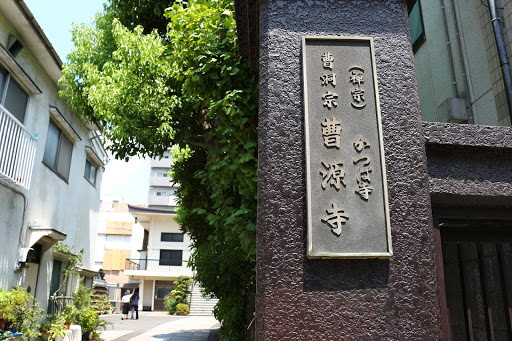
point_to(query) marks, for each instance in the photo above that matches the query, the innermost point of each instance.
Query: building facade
(163, 256)
(51, 163)
(119, 238)
(162, 192)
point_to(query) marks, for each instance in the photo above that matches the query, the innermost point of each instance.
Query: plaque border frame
(344, 255)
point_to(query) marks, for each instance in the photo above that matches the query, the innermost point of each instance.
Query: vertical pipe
(450, 54)
(464, 62)
(502, 52)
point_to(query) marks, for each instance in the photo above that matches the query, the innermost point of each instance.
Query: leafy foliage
(53, 326)
(181, 292)
(74, 262)
(190, 88)
(178, 296)
(21, 312)
(182, 309)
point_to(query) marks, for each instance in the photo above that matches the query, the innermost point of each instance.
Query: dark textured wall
(301, 299)
(469, 165)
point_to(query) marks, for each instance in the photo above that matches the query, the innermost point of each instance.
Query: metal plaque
(347, 203)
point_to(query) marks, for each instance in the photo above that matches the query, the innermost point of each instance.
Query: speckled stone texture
(469, 165)
(301, 299)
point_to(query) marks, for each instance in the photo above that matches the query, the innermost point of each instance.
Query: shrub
(170, 304)
(182, 309)
(21, 312)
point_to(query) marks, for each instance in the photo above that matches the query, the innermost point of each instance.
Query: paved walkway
(157, 326)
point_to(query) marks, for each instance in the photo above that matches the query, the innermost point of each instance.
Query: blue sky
(56, 17)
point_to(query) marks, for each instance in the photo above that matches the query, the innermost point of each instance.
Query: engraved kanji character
(331, 132)
(365, 158)
(356, 78)
(328, 78)
(364, 190)
(363, 175)
(327, 59)
(335, 218)
(358, 95)
(357, 75)
(329, 99)
(335, 173)
(359, 145)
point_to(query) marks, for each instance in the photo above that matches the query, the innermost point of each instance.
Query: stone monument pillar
(365, 297)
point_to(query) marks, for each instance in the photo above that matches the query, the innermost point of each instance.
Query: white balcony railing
(17, 150)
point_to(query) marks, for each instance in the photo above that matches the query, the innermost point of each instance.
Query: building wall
(161, 224)
(119, 238)
(10, 225)
(476, 71)
(474, 60)
(69, 206)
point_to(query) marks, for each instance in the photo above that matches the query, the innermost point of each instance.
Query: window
(57, 152)
(90, 172)
(416, 27)
(171, 257)
(171, 237)
(12, 96)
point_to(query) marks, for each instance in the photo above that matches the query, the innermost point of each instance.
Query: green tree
(189, 88)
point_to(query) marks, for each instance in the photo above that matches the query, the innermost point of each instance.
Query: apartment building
(51, 163)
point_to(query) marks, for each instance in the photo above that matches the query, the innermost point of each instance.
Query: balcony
(148, 268)
(157, 200)
(17, 150)
(156, 181)
(163, 163)
(153, 264)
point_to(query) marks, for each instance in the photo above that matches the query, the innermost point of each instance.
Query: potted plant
(87, 318)
(70, 313)
(53, 328)
(20, 312)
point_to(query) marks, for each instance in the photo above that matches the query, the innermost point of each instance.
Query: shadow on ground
(191, 335)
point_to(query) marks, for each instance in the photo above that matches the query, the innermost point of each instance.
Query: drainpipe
(464, 62)
(450, 54)
(502, 52)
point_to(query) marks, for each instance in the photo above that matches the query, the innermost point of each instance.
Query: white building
(165, 249)
(51, 164)
(164, 256)
(161, 193)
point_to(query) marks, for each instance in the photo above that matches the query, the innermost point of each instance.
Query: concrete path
(158, 326)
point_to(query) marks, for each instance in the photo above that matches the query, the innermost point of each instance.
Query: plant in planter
(90, 322)
(20, 312)
(70, 313)
(53, 328)
(87, 318)
(102, 305)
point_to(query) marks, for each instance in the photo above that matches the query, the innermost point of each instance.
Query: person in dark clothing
(135, 303)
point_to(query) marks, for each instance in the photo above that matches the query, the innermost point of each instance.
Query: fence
(58, 303)
(17, 150)
(154, 264)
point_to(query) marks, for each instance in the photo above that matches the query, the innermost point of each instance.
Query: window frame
(170, 261)
(92, 166)
(172, 235)
(421, 38)
(58, 151)
(4, 89)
